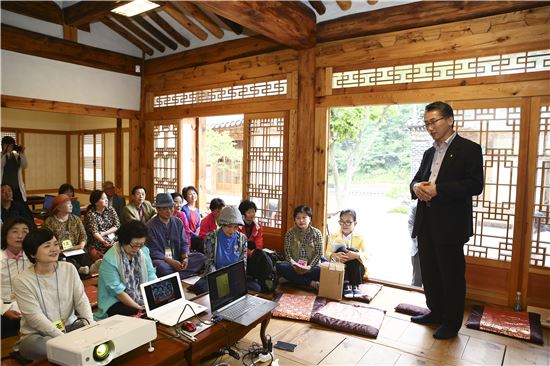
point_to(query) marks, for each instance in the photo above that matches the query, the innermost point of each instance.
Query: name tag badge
(59, 325)
(67, 244)
(168, 252)
(12, 296)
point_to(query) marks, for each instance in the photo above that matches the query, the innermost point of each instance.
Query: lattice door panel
(165, 158)
(540, 237)
(497, 130)
(265, 167)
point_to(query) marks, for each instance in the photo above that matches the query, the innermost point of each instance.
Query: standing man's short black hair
(443, 108)
(8, 140)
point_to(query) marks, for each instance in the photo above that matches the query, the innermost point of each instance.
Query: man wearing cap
(225, 246)
(168, 244)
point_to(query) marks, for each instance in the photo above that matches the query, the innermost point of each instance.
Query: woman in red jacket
(251, 228)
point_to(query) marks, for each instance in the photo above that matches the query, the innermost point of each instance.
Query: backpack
(261, 267)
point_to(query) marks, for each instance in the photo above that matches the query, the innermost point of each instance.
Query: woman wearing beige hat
(69, 231)
(225, 246)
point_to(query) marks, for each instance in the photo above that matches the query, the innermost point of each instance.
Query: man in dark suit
(115, 201)
(451, 173)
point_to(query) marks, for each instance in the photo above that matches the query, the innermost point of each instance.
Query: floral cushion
(515, 324)
(299, 307)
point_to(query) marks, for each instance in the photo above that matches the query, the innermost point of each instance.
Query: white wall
(36, 77)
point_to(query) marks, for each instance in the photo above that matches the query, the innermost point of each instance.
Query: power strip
(265, 357)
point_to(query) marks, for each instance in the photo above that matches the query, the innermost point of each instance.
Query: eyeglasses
(137, 245)
(432, 122)
(346, 223)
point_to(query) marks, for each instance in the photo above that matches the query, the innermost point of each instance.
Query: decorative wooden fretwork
(265, 168)
(234, 92)
(513, 63)
(165, 158)
(540, 237)
(497, 130)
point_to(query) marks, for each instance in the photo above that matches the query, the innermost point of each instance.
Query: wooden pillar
(302, 139)
(134, 148)
(119, 163)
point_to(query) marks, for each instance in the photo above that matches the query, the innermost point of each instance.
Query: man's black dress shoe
(429, 318)
(444, 332)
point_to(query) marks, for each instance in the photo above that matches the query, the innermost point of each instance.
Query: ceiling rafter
(236, 28)
(290, 23)
(194, 11)
(47, 11)
(318, 6)
(344, 4)
(181, 18)
(86, 12)
(132, 27)
(124, 33)
(168, 29)
(155, 32)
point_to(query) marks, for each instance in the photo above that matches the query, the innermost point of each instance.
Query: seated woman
(303, 250)
(12, 208)
(168, 245)
(101, 225)
(224, 246)
(14, 261)
(139, 208)
(348, 247)
(124, 268)
(209, 224)
(48, 294)
(251, 228)
(69, 230)
(68, 189)
(177, 212)
(191, 210)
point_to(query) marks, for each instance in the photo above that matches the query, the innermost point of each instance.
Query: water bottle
(517, 305)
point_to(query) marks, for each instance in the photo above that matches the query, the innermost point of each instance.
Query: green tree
(221, 149)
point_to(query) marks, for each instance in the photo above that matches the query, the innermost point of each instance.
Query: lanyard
(42, 296)
(17, 266)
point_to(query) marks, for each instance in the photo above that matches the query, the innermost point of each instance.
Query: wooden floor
(399, 342)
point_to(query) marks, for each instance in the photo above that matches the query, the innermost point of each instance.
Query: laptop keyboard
(241, 307)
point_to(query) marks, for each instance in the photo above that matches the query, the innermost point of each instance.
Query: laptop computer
(229, 296)
(164, 300)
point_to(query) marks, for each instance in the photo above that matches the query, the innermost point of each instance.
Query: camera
(17, 148)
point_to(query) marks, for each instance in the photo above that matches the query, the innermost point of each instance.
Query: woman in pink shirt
(177, 212)
(209, 223)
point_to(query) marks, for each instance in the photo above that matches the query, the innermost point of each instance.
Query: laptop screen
(161, 292)
(226, 285)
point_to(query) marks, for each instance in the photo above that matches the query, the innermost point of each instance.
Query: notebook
(164, 300)
(229, 296)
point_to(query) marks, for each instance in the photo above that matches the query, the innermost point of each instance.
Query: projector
(100, 343)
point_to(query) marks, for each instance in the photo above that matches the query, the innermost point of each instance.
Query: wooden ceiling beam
(168, 29)
(86, 12)
(344, 4)
(155, 32)
(125, 34)
(127, 22)
(415, 15)
(47, 11)
(290, 23)
(181, 18)
(318, 6)
(200, 16)
(236, 28)
(230, 50)
(36, 44)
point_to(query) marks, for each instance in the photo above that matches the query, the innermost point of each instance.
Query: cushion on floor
(369, 290)
(515, 324)
(352, 318)
(411, 309)
(300, 307)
